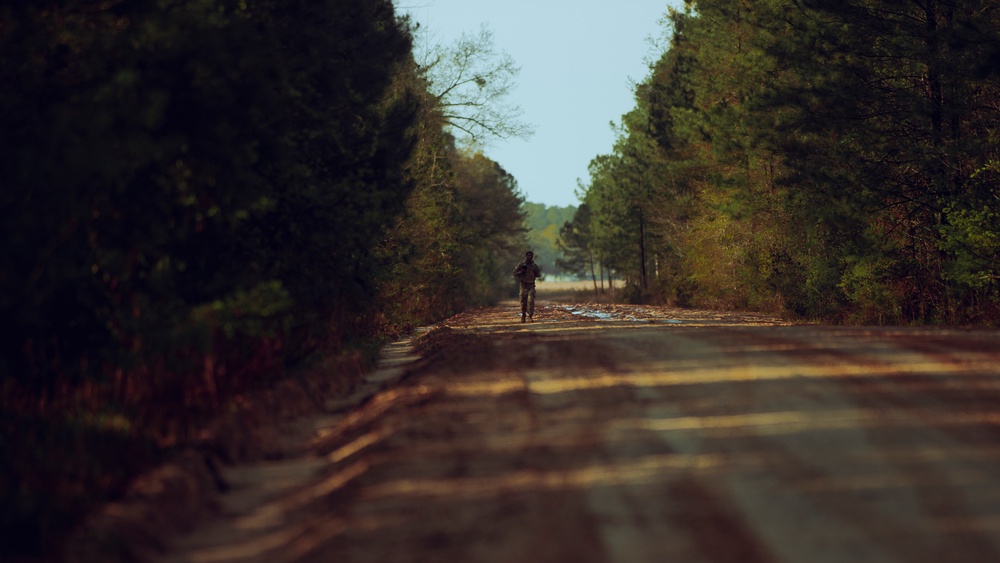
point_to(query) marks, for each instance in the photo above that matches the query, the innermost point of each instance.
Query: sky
(578, 61)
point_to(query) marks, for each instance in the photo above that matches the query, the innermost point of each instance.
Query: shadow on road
(627, 437)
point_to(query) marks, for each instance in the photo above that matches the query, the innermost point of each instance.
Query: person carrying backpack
(527, 272)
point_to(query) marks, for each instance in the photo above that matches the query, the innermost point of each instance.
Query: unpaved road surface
(637, 434)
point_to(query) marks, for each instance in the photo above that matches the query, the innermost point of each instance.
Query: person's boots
(531, 317)
(522, 317)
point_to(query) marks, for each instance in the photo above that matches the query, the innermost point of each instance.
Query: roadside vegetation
(201, 197)
(826, 160)
(543, 223)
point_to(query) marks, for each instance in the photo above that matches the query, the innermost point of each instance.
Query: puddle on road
(617, 314)
(662, 315)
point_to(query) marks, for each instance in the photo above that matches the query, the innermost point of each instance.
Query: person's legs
(524, 302)
(531, 303)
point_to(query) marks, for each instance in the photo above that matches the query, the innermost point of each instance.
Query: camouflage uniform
(527, 272)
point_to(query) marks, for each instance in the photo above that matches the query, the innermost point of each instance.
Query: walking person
(527, 272)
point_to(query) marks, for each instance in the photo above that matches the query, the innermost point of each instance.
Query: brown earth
(637, 433)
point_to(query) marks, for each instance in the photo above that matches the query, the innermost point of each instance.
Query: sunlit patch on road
(625, 472)
(610, 432)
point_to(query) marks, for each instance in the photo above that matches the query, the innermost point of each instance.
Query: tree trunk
(593, 274)
(642, 251)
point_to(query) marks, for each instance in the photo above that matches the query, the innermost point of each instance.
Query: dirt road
(635, 434)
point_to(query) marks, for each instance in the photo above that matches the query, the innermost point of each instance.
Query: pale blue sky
(576, 57)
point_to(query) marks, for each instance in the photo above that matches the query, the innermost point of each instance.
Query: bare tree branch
(471, 81)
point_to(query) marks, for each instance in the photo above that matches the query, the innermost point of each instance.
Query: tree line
(198, 195)
(831, 160)
(543, 223)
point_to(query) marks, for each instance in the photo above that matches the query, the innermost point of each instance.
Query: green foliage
(183, 155)
(460, 231)
(199, 194)
(544, 224)
(249, 311)
(492, 209)
(541, 217)
(826, 159)
(973, 237)
(456, 242)
(576, 244)
(192, 194)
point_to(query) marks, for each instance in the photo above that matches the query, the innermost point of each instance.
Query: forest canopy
(828, 160)
(198, 197)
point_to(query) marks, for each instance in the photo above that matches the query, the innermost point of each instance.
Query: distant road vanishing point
(641, 434)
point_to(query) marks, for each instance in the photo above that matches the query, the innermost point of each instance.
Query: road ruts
(634, 434)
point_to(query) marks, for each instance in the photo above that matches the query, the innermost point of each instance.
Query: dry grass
(576, 292)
